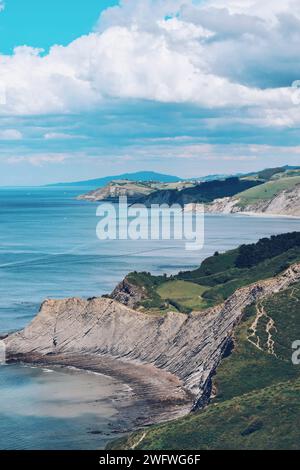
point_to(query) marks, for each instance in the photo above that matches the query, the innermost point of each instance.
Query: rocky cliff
(189, 347)
(286, 203)
(111, 192)
(128, 293)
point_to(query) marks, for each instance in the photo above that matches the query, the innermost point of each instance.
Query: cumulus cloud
(251, 49)
(213, 54)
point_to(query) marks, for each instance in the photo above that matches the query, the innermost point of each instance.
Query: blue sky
(178, 86)
(47, 22)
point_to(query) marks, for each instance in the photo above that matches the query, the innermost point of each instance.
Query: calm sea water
(57, 409)
(49, 249)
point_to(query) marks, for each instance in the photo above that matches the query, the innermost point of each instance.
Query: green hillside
(219, 275)
(257, 388)
(182, 293)
(273, 173)
(267, 190)
(204, 192)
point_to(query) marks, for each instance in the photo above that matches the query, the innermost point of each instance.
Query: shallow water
(57, 408)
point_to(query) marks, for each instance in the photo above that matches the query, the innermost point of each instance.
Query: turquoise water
(49, 249)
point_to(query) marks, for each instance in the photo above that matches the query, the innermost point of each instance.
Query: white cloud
(38, 159)
(58, 136)
(268, 9)
(196, 153)
(142, 14)
(214, 54)
(10, 134)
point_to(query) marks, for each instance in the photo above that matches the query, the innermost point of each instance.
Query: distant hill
(152, 176)
(274, 173)
(133, 190)
(139, 176)
(265, 174)
(278, 196)
(201, 193)
(217, 176)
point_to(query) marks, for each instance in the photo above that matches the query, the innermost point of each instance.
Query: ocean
(49, 249)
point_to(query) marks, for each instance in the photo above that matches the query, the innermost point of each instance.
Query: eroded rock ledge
(285, 203)
(187, 348)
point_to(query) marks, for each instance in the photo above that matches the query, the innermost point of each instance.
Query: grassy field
(185, 293)
(257, 402)
(267, 190)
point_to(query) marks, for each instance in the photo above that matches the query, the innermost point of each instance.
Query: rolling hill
(275, 197)
(139, 176)
(135, 191)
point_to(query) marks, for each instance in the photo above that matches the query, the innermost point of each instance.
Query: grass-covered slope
(274, 173)
(266, 191)
(201, 193)
(219, 276)
(256, 387)
(182, 293)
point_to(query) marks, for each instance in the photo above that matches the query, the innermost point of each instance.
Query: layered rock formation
(128, 294)
(131, 189)
(286, 203)
(187, 347)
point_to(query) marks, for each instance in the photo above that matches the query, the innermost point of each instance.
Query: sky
(189, 88)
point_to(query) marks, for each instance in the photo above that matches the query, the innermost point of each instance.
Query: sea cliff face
(189, 347)
(285, 203)
(115, 189)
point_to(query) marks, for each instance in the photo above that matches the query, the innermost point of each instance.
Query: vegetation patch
(186, 294)
(266, 248)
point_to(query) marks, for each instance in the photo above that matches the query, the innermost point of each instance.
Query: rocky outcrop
(136, 191)
(189, 347)
(226, 205)
(285, 203)
(131, 189)
(129, 294)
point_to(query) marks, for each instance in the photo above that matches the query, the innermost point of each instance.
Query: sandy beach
(153, 396)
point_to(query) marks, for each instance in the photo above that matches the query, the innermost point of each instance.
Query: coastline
(208, 212)
(265, 215)
(153, 396)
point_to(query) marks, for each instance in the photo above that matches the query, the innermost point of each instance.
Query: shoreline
(243, 213)
(265, 215)
(153, 396)
(253, 214)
